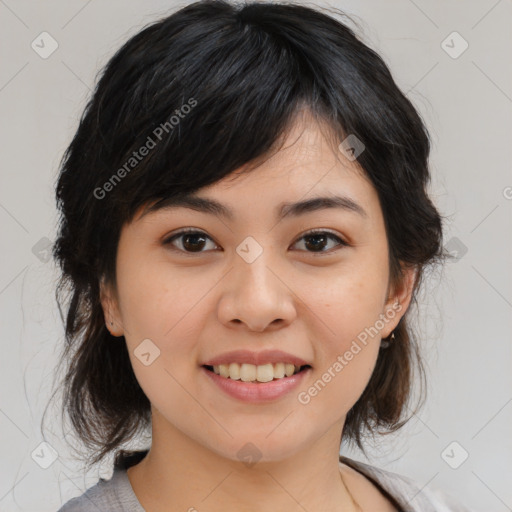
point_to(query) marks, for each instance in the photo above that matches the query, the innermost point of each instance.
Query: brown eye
(316, 241)
(192, 241)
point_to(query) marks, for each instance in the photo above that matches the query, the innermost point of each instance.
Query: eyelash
(191, 231)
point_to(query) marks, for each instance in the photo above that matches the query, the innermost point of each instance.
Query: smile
(252, 389)
(256, 373)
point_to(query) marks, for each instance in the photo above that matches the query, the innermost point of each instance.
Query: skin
(290, 298)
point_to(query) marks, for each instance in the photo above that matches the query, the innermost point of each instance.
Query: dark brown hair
(235, 76)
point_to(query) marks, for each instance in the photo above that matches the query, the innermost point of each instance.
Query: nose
(257, 295)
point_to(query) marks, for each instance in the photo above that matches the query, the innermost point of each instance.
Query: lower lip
(261, 392)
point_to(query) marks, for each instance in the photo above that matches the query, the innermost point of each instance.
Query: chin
(258, 448)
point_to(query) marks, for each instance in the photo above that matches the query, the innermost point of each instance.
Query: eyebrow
(213, 207)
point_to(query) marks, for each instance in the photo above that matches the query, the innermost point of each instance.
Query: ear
(399, 299)
(110, 306)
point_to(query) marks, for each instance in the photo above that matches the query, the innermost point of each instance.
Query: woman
(244, 226)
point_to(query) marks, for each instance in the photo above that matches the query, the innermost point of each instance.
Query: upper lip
(255, 358)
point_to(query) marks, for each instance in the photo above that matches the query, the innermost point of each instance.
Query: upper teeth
(251, 372)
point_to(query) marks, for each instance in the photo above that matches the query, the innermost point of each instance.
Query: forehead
(306, 164)
(306, 140)
(305, 158)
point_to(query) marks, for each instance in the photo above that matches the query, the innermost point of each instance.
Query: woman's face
(255, 282)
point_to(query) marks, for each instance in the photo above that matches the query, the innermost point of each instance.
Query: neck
(178, 472)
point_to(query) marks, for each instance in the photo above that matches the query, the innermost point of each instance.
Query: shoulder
(407, 493)
(113, 495)
(94, 499)
(98, 497)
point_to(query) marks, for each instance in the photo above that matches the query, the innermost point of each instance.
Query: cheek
(348, 302)
(161, 306)
(346, 320)
(158, 302)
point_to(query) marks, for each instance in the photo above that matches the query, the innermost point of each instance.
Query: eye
(319, 238)
(193, 241)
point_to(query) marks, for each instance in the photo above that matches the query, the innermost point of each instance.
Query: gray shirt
(117, 495)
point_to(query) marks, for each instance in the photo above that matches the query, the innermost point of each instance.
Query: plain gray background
(465, 315)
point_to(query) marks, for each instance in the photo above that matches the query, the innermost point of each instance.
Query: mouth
(257, 385)
(256, 374)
